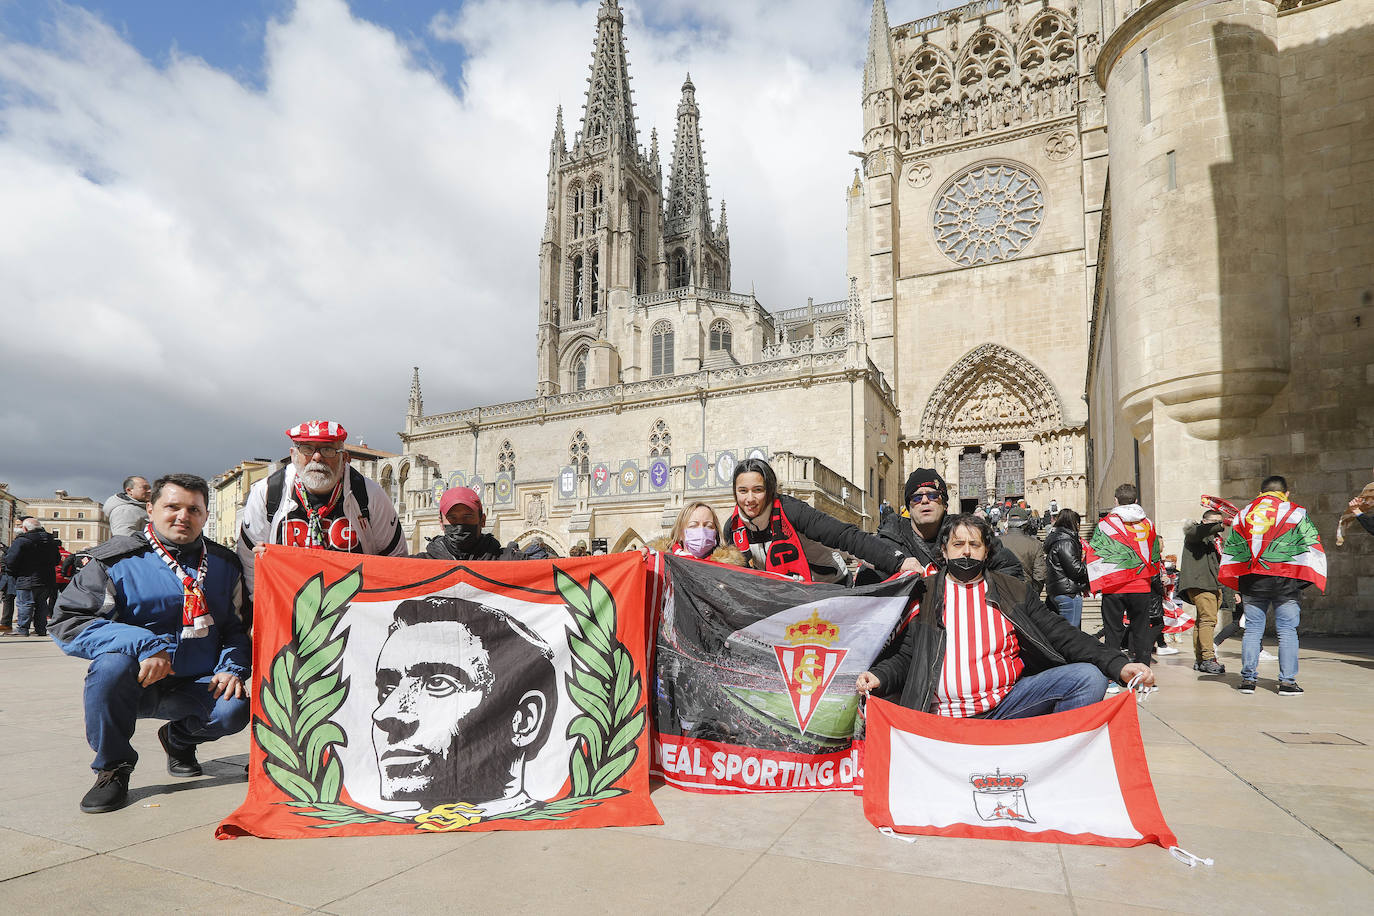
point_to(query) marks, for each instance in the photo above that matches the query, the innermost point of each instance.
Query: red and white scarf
(315, 515)
(195, 616)
(783, 550)
(982, 654)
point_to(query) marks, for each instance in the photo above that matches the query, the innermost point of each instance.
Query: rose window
(987, 214)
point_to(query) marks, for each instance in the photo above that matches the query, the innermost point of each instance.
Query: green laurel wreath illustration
(306, 689)
(1114, 552)
(1293, 543)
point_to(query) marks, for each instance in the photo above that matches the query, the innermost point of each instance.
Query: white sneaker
(1113, 688)
(1166, 650)
(1265, 656)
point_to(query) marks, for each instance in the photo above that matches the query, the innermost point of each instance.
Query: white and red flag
(1273, 537)
(1069, 777)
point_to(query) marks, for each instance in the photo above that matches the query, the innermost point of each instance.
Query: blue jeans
(34, 605)
(1286, 614)
(1056, 690)
(1070, 607)
(114, 701)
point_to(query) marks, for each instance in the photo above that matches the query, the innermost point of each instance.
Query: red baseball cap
(317, 431)
(459, 496)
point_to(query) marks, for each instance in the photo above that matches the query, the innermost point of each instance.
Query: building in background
(12, 508)
(77, 521)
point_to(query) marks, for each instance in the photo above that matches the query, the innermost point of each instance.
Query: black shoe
(179, 763)
(18, 634)
(110, 792)
(1210, 666)
(1247, 686)
(1290, 689)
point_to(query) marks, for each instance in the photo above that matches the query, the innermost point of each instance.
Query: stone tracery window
(678, 274)
(598, 209)
(596, 282)
(579, 370)
(579, 206)
(837, 336)
(579, 452)
(505, 459)
(721, 337)
(578, 303)
(662, 355)
(660, 440)
(988, 213)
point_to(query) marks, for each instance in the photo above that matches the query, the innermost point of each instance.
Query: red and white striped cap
(317, 431)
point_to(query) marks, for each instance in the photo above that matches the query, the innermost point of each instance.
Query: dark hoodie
(486, 548)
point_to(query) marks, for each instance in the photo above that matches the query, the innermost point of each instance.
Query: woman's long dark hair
(763, 469)
(1068, 519)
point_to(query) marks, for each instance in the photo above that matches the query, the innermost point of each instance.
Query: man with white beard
(319, 502)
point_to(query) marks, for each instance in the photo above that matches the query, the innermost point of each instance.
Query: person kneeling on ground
(784, 535)
(160, 616)
(980, 645)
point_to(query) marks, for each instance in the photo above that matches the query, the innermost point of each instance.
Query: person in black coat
(978, 627)
(463, 539)
(32, 560)
(786, 536)
(1066, 574)
(916, 531)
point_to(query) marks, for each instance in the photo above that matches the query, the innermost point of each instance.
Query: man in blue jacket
(159, 615)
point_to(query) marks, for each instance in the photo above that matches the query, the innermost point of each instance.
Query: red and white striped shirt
(981, 660)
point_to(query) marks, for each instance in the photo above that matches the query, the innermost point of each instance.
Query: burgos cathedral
(1090, 243)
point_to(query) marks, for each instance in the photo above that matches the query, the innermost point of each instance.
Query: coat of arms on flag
(1273, 537)
(1069, 777)
(411, 696)
(755, 687)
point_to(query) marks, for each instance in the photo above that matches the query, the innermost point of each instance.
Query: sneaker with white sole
(1290, 689)
(1266, 656)
(1247, 686)
(1166, 650)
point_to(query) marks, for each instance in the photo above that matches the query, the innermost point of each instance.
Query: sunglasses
(924, 497)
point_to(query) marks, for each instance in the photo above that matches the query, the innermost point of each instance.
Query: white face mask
(699, 541)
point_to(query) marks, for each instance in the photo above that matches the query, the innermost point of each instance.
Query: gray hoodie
(127, 516)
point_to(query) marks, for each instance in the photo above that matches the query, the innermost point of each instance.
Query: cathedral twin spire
(609, 110)
(689, 203)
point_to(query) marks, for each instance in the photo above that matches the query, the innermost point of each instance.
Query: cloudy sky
(219, 219)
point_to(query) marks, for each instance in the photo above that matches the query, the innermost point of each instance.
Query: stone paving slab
(1288, 826)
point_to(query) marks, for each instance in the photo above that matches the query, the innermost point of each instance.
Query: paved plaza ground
(1289, 825)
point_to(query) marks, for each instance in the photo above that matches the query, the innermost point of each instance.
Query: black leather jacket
(1066, 573)
(1046, 640)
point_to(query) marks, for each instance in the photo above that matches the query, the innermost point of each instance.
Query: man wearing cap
(318, 501)
(464, 519)
(1027, 548)
(916, 529)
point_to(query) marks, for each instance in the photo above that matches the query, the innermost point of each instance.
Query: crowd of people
(164, 615)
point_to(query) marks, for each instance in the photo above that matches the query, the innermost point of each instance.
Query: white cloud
(191, 264)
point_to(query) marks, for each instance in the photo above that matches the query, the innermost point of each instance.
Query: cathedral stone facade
(1091, 242)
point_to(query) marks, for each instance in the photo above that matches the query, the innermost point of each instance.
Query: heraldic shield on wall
(412, 696)
(755, 678)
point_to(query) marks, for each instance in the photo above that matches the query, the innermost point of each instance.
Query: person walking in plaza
(127, 512)
(1029, 551)
(1271, 555)
(915, 531)
(464, 518)
(1198, 585)
(32, 560)
(1066, 575)
(159, 616)
(1123, 563)
(784, 535)
(319, 502)
(981, 645)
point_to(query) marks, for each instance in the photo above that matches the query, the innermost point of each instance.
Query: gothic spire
(609, 109)
(878, 66)
(689, 203)
(722, 229)
(558, 145)
(416, 408)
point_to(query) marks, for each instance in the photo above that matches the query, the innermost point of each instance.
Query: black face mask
(965, 569)
(461, 538)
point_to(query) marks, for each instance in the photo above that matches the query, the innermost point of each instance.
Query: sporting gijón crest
(809, 664)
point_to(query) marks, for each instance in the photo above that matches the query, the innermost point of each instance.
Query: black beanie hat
(925, 477)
